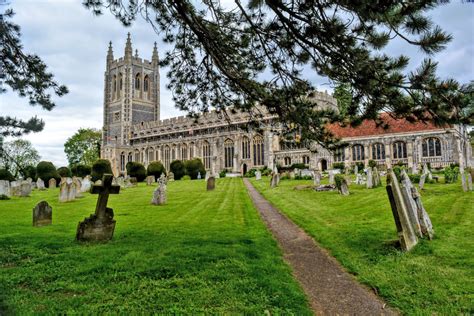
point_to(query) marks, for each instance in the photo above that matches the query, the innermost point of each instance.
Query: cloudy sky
(73, 43)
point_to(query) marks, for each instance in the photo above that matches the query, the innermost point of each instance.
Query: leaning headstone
(421, 184)
(159, 195)
(86, 184)
(77, 186)
(211, 183)
(5, 188)
(317, 178)
(331, 177)
(199, 175)
(469, 181)
(25, 189)
(376, 175)
(42, 214)
(258, 175)
(344, 189)
(275, 180)
(15, 188)
(40, 184)
(406, 234)
(52, 183)
(170, 176)
(150, 180)
(99, 226)
(67, 191)
(370, 179)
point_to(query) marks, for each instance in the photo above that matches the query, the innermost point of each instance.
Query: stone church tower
(131, 97)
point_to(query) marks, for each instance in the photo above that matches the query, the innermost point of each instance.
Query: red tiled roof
(369, 127)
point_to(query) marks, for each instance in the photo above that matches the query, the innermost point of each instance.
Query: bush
(372, 163)
(222, 173)
(6, 175)
(414, 178)
(99, 168)
(265, 171)
(298, 166)
(136, 170)
(186, 177)
(193, 167)
(360, 166)
(178, 169)
(338, 178)
(64, 172)
(451, 174)
(155, 168)
(29, 172)
(250, 173)
(46, 170)
(81, 170)
(4, 197)
(397, 170)
(338, 165)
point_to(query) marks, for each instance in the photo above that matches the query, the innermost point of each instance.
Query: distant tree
(64, 172)
(155, 168)
(17, 155)
(99, 168)
(343, 96)
(29, 172)
(81, 170)
(26, 74)
(178, 169)
(83, 147)
(468, 91)
(252, 54)
(46, 170)
(193, 167)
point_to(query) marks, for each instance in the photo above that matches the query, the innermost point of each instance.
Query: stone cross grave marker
(42, 214)
(159, 195)
(100, 225)
(211, 183)
(52, 183)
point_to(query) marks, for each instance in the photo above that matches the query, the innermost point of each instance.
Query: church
(133, 131)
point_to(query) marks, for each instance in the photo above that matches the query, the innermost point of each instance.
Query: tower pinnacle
(128, 47)
(110, 54)
(154, 57)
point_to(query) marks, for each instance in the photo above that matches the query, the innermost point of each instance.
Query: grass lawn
(203, 252)
(437, 277)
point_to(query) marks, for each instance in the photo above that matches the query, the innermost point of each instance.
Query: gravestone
(421, 184)
(163, 179)
(370, 179)
(211, 183)
(15, 188)
(159, 195)
(40, 184)
(52, 183)
(150, 180)
(463, 181)
(98, 182)
(469, 181)
(406, 234)
(317, 178)
(25, 189)
(170, 176)
(258, 175)
(344, 189)
(331, 176)
(359, 179)
(42, 214)
(5, 187)
(292, 175)
(99, 226)
(376, 175)
(67, 191)
(199, 175)
(356, 169)
(77, 187)
(414, 169)
(275, 180)
(86, 184)
(29, 180)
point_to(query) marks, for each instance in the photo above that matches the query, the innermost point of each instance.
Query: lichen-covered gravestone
(25, 188)
(150, 180)
(159, 195)
(370, 178)
(77, 183)
(67, 191)
(52, 183)
(463, 181)
(275, 179)
(344, 188)
(258, 175)
(211, 183)
(469, 181)
(170, 176)
(42, 214)
(86, 184)
(5, 187)
(317, 178)
(40, 184)
(376, 175)
(331, 177)
(421, 184)
(99, 226)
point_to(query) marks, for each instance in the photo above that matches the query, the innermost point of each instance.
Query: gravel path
(329, 288)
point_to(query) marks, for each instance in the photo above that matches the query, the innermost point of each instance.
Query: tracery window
(378, 151)
(306, 160)
(191, 151)
(151, 154)
(145, 83)
(165, 154)
(206, 154)
(229, 153)
(287, 161)
(120, 82)
(137, 81)
(399, 150)
(130, 157)
(137, 156)
(245, 148)
(339, 154)
(122, 161)
(258, 151)
(431, 147)
(184, 152)
(357, 152)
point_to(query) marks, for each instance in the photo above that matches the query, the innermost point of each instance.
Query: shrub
(99, 168)
(222, 173)
(265, 171)
(250, 173)
(360, 165)
(372, 163)
(298, 166)
(46, 170)
(6, 175)
(397, 170)
(29, 172)
(64, 172)
(136, 170)
(81, 170)
(4, 197)
(451, 174)
(414, 178)
(338, 178)
(178, 169)
(155, 168)
(193, 167)
(338, 165)
(186, 177)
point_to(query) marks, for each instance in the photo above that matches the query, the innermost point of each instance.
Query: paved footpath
(329, 288)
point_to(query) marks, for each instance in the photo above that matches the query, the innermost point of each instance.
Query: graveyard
(209, 251)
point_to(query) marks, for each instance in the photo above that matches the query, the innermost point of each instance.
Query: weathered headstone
(414, 169)
(42, 214)
(67, 191)
(258, 175)
(52, 183)
(275, 179)
(406, 234)
(469, 181)
(25, 188)
(15, 188)
(159, 195)
(356, 169)
(421, 184)
(150, 180)
(40, 184)
(5, 188)
(317, 178)
(29, 180)
(86, 184)
(77, 183)
(376, 175)
(211, 183)
(344, 189)
(99, 226)
(170, 176)
(463, 181)
(292, 175)
(370, 179)
(331, 176)
(199, 175)
(98, 182)
(359, 179)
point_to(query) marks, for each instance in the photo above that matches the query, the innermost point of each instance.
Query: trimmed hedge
(64, 172)
(46, 170)
(155, 168)
(81, 170)
(193, 167)
(136, 170)
(178, 169)
(99, 168)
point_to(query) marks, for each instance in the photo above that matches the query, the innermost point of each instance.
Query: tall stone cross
(101, 225)
(104, 190)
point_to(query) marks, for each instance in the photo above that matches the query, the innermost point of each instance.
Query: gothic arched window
(431, 147)
(306, 160)
(258, 151)
(229, 153)
(399, 150)
(378, 151)
(245, 147)
(287, 161)
(206, 154)
(166, 157)
(137, 156)
(145, 83)
(151, 154)
(191, 151)
(137, 81)
(339, 154)
(130, 157)
(115, 83)
(120, 82)
(122, 161)
(184, 152)
(357, 152)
